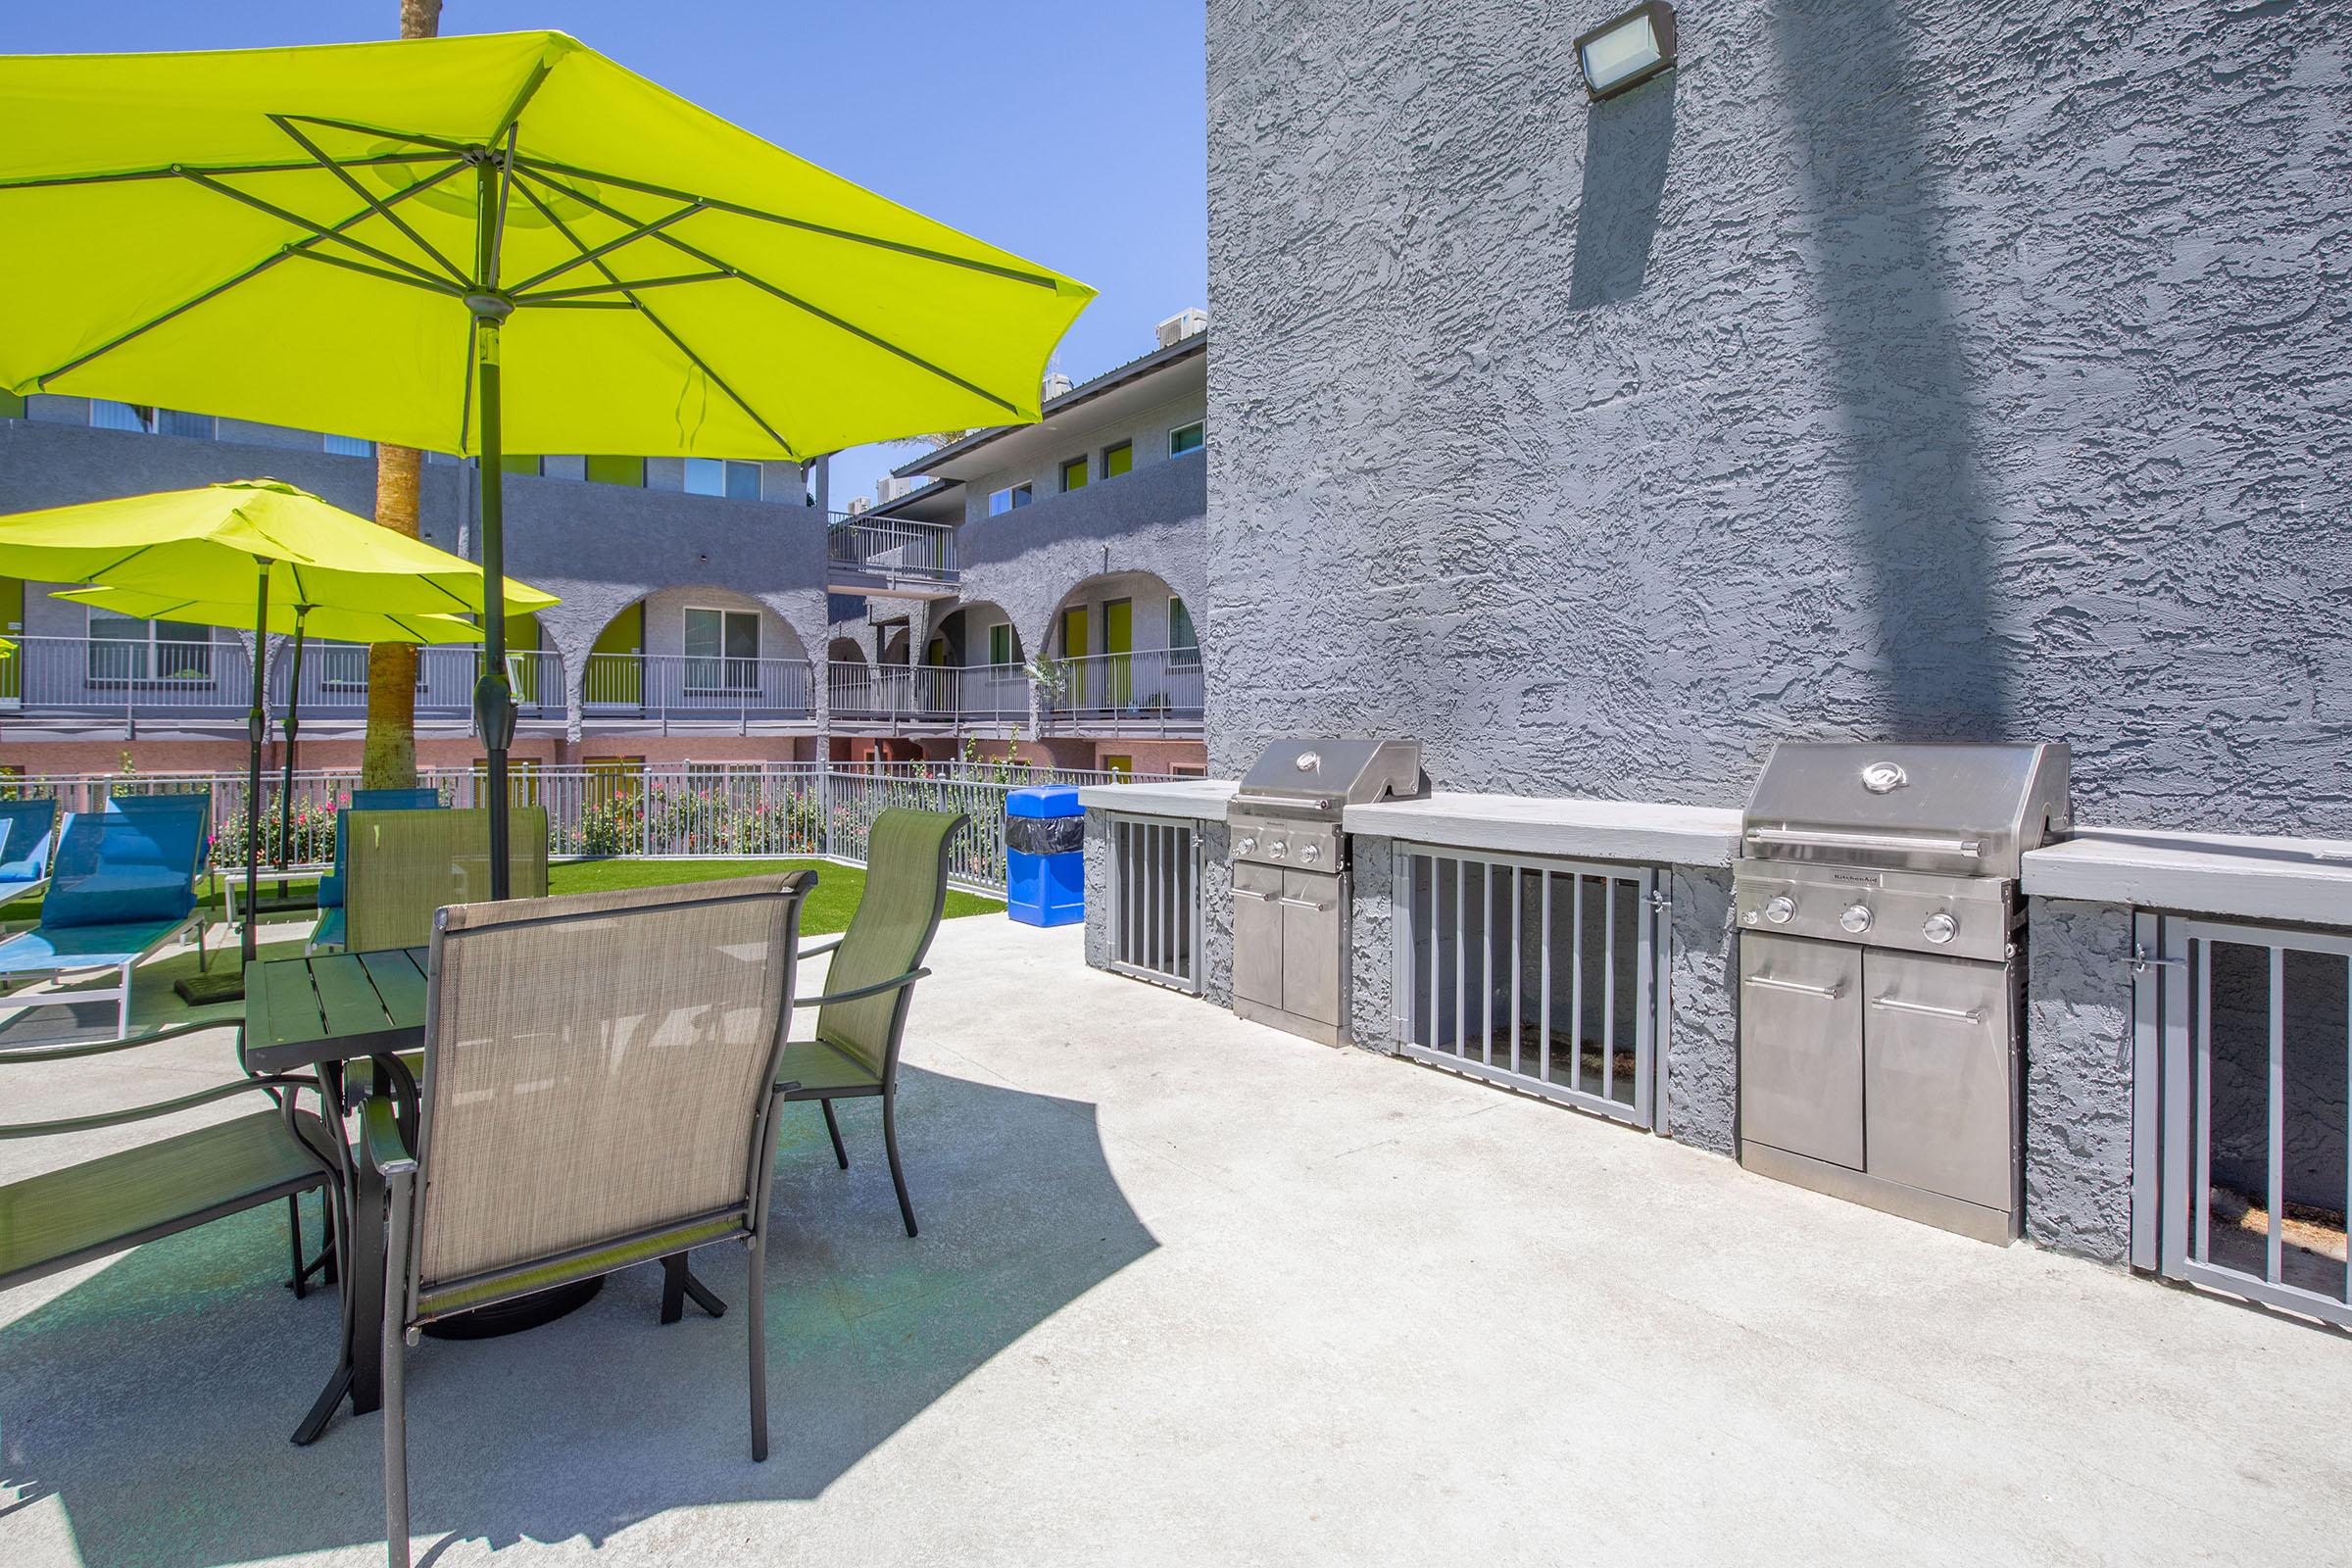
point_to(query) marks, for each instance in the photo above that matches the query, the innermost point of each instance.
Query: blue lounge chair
(26, 830)
(122, 883)
(329, 932)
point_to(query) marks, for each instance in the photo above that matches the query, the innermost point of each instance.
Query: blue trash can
(1045, 855)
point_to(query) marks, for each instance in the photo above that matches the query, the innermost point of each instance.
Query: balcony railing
(1157, 690)
(928, 694)
(893, 556)
(691, 686)
(105, 677)
(334, 680)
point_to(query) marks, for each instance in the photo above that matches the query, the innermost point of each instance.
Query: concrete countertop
(1606, 830)
(1201, 800)
(2252, 877)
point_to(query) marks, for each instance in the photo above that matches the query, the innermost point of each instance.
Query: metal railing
(1154, 893)
(1159, 690)
(681, 811)
(692, 686)
(334, 680)
(927, 694)
(899, 552)
(104, 678)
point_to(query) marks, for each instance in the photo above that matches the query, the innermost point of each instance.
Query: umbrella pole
(285, 794)
(257, 725)
(493, 710)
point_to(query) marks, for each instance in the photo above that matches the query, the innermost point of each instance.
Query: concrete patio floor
(1193, 1291)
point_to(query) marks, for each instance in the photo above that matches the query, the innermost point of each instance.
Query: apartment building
(1035, 592)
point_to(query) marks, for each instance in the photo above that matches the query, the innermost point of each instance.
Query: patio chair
(400, 866)
(116, 1201)
(597, 1092)
(876, 962)
(122, 884)
(328, 933)
(28, 830)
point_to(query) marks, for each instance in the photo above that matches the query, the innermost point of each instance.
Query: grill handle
(1974, 849)
(1769, 983)
(1956, 1015)
(1253, 893)
(1302, 904)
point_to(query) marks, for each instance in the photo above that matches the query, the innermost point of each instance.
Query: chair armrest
(161, 1107)
(381, 1141)
(820, 947)
(100, 1048)
(786, 1086)
(874, 990)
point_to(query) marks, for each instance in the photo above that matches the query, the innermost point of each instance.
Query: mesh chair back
(423, 799)
(598, 1067)
(905, 893)
(186, 810)
(406, 864)
(25, 827)
(124, 867)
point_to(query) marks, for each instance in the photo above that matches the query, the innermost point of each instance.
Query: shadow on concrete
(1878, 245)
(153, 1401)
(1627, 144)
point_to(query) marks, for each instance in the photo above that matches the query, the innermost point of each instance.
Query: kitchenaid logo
(1860, 879)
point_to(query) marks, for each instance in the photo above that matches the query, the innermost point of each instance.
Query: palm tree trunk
(388, 757)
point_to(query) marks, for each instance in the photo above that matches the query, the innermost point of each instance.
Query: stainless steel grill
(1879, 972)
(1290, 875)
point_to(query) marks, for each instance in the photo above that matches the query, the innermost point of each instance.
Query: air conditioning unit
(858, 505)
(890, 487)
(1056, 385)
(1183, 325)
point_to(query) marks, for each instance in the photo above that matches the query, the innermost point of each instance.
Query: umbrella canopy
(206, 542)
(336, 623)
(290, 235)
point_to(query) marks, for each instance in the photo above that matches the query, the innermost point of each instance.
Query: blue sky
(1067, 130)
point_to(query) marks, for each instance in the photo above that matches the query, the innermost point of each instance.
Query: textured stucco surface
(1372, 943)
(1702, 1058)
(2078, 1078)
(1938, 369)
(1098, 911)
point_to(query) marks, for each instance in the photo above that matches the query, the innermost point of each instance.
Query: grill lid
(1324, 775)
(1966, 809)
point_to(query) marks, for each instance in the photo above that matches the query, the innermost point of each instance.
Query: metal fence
(1153, 689)
(598, 810)
(1543, 975)
(899, 551)
(696, 686)
(1154, 896)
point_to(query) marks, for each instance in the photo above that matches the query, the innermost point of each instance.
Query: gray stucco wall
(1372, 942)
(1702, 1057)
(1933, 369)
(2078, 1078)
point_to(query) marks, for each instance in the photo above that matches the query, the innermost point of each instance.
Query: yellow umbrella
(371, 237)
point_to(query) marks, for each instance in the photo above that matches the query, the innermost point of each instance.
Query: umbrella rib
(301, 247)
(822, 314)
(421, 281)
(178, 171)
(636, 233)
(441, 144)
(316, 228)
(560, 296)
(659, 325)
(367, 196)
(716, 204)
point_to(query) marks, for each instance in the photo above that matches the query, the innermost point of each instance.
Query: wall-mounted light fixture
(1628, 50)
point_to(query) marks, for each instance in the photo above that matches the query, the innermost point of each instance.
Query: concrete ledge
(2307, 880)
(1199, 799)
(1605, 830)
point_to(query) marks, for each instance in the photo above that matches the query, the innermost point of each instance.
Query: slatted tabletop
(333, 1007)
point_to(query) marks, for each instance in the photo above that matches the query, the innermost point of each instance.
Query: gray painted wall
(1930, 370)
(2078, 1078)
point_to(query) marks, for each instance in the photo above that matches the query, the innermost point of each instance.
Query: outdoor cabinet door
(1311, 957)
(1801, 1046)
(1257, 933)
(1937, 1081)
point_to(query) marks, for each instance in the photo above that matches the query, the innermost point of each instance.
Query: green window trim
(629, 471)
(1186, 438)
(511, 464)
(1118, 458)
(1073, 474)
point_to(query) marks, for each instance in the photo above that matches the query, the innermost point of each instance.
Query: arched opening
(845, 650)
(978, 654)
(698, 648)
(1123, 647)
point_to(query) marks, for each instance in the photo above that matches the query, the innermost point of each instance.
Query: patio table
(322, 1014)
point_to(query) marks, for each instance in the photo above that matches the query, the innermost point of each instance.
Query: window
(718, 476)
(722, 649)
(107, 415)
(1003, 501)
(1188, 771)
(510, 463)
(125, 648)
(1118, 460)
(999, 644)
(1186, 439)
(1184, 647)
(616, 470)
(350, 446)
(195, 427)
(1073, 475)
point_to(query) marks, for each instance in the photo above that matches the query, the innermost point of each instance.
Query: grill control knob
(1279, 848)
(1856, 918)
(1940, 927)
(1248, 845)
(1782, 910)
(1309, 853)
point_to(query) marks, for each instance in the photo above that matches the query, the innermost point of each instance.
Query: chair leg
(674, 1287)
(299, 1280)
(396, 1446)
(890, 1143)
(757, 1291)
(840, 1151)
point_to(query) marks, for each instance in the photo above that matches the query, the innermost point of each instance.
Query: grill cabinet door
(1310, 946)
(1257, 933)
(1941, 1095)
(1801, 1046)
